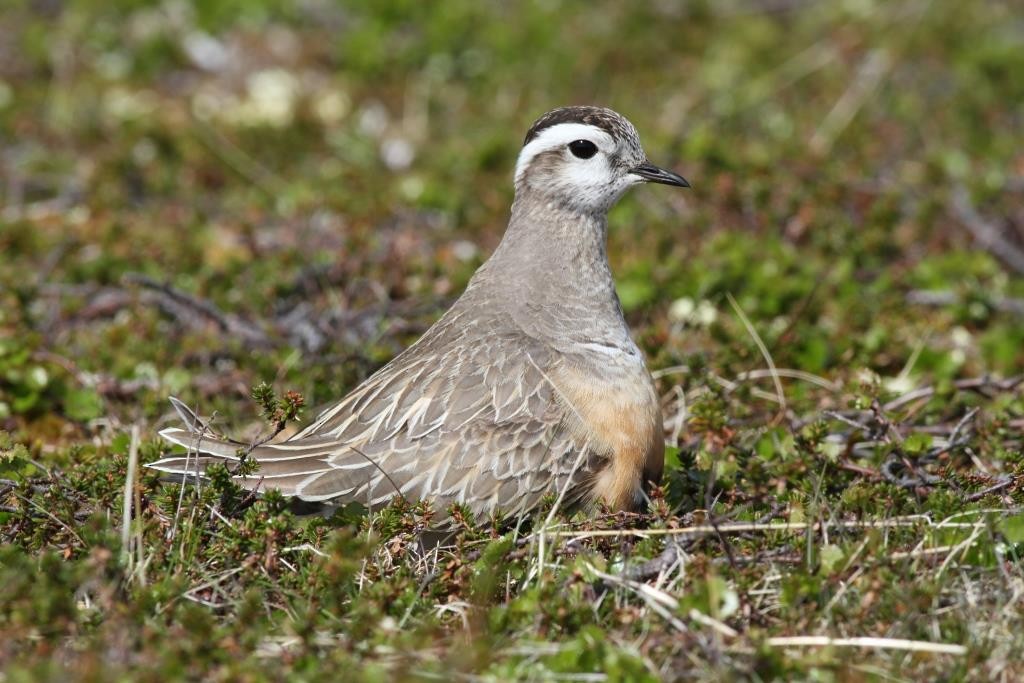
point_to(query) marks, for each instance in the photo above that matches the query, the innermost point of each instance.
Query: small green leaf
(635, 292)
(25, 402)
(176, 380)
(832, 450)
(830, 556)
(796, 513)
(120, 443)
(14, 458)
(917, 442)
(83, 404)
(672, 458)
(1012, 528)
(705, 459)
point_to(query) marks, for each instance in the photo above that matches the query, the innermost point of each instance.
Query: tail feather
(188, 416)
(225, 449)
(190, 465)
(283, 466)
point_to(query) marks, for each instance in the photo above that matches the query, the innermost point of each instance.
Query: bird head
(585, 158)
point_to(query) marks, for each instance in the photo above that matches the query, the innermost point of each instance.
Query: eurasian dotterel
(528, 385)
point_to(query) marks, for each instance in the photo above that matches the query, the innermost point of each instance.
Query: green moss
(130, 157)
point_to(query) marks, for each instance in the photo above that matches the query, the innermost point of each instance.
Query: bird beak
(651, 173)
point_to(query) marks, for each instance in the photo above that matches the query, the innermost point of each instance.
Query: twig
(941, 297)
(716, 625)
(974, 383)
(959, 549)
(845, 420)
(129, 497)
(658, 600)
(654, 567)
(190, 309)
(751, 527)
(886, 429)
(239, 161)
(279, 426)
(955, 440)
(51, 516)
(868, 642)
(105, 385)
(918, 553)
(214, 583)
(987, 234)
(999, 486)
(305, 546)
(869, 75)
(762, 348)
(757, 374)
(920, 479)
(200, 429)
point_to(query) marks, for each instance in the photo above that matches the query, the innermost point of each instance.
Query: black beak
(653, 174)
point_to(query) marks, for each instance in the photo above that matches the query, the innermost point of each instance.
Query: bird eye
(584, 149)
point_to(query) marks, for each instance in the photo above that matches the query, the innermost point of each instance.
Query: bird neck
(552, 268)
(541, 231)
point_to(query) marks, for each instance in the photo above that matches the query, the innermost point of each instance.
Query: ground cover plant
(253, 205)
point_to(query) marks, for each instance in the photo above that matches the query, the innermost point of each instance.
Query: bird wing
(466, 415)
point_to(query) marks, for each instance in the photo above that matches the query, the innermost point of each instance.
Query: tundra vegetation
(252, 205)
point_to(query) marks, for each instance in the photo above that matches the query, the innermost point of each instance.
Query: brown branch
(973, 384)
(194, 311)
(986, 233)
(942, 297)
(654, 567)
(998, 486)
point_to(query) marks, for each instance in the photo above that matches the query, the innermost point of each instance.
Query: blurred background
(198, 196)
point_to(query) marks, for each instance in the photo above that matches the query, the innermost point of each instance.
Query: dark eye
(584, 149)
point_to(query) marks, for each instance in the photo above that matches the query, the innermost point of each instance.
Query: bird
(528, 386)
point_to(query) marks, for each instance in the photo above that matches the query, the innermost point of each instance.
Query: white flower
(464, 250)
(686, 311)
(272, 96)
(373, 120)
(205, 51)
(961, 337)
(898, 385)
(681, 310)
(331, 107)
(397, 153)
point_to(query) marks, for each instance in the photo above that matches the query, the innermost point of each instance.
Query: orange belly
(622, 420)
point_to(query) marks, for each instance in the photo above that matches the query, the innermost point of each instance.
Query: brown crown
(605, 119)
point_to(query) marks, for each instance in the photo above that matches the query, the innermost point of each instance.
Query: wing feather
(465, 415)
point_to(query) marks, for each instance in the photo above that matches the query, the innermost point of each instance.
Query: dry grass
(197, 198)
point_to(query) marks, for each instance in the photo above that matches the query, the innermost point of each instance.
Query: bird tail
(286, 466)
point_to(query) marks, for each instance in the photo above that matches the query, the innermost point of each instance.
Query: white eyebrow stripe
(558, 135)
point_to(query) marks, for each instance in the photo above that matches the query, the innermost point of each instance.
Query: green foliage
(277, 410)
(1012, 528)
(239, 156)
(83, 404)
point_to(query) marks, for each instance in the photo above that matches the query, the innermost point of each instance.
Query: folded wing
(465, 415)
